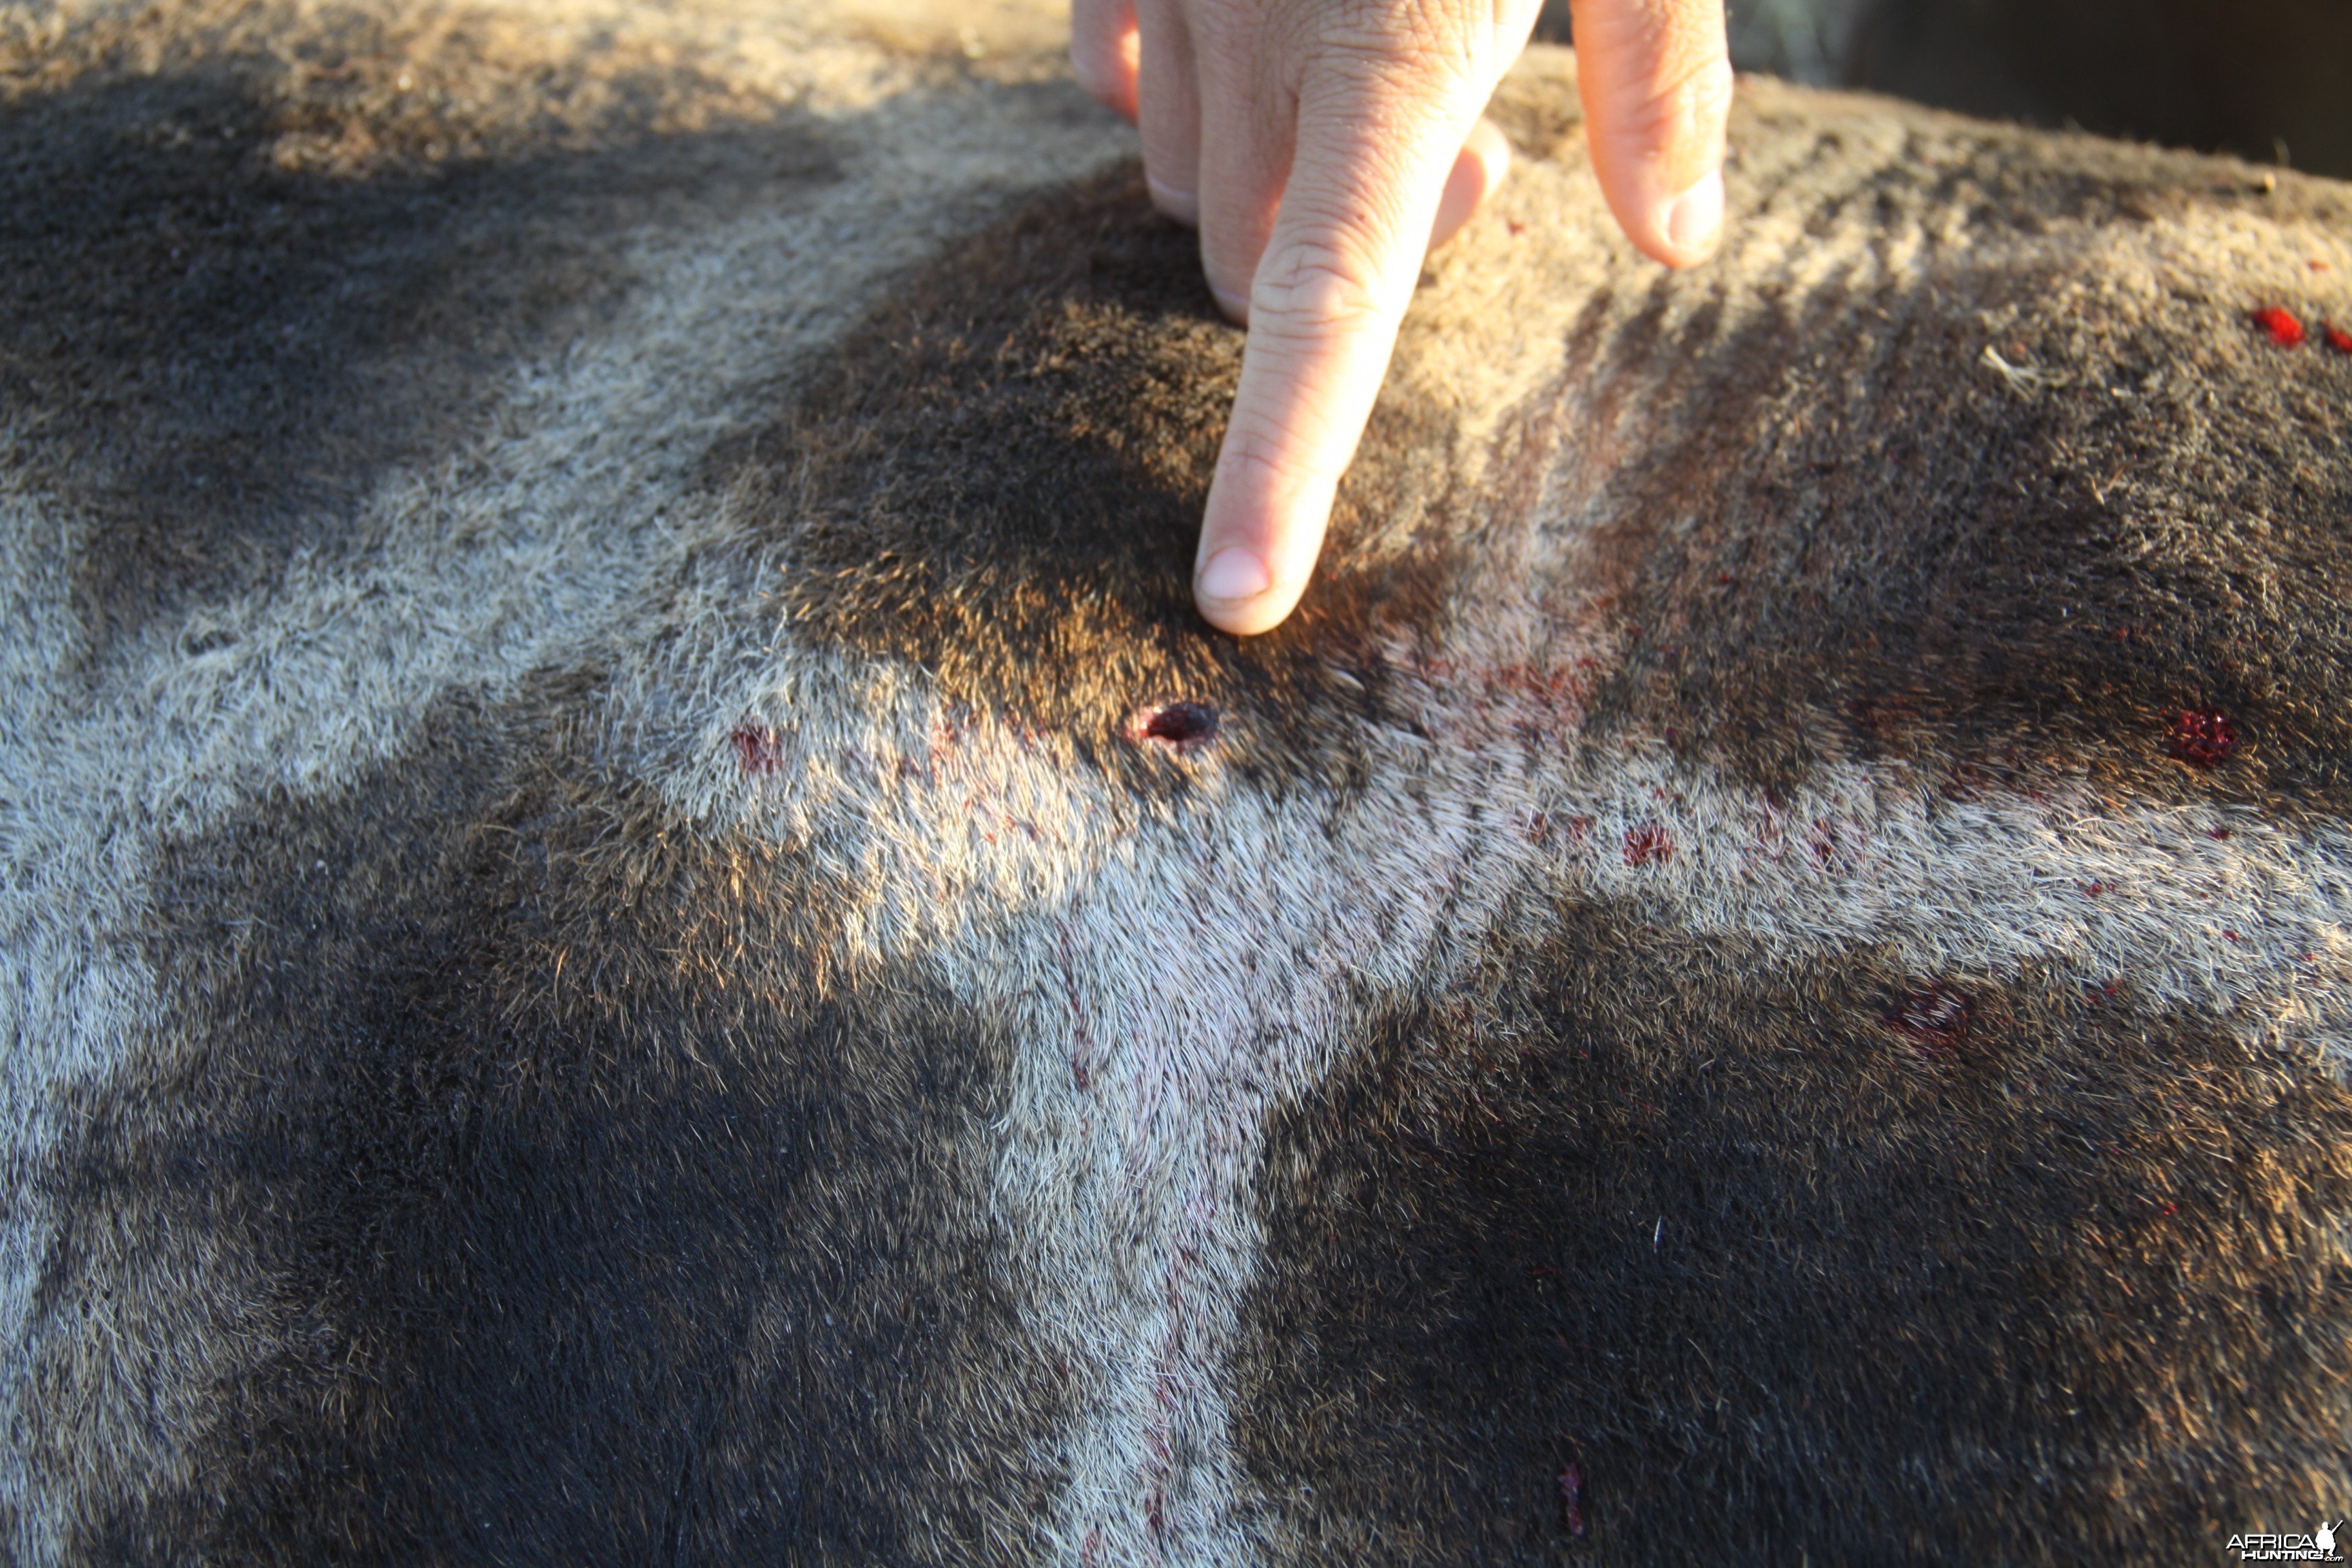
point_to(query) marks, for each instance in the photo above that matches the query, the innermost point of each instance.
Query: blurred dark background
(2268, 80)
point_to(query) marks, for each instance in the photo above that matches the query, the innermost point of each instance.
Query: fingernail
(1697, 214)
(1232, 573)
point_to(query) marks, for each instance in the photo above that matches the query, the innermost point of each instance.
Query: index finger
(1340, 265)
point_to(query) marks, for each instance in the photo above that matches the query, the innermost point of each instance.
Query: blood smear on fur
(1571, 1499)
(756, 750)
(1648, 845)
(2339, 339)
(2203, 737)
(2282, 326)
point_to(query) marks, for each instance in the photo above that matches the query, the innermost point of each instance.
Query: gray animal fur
(608, 960)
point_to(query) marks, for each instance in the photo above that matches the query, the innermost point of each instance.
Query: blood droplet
(2339, 339)
(1571, 1499)
(1648, 845)
(756, 750)
(2203, 737)
(2281, 324)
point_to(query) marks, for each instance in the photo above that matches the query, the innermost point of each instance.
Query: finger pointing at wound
(1323, 147)
(1314, 227)
(1324, 302)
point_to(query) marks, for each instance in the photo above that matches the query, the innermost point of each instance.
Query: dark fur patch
(594, 1219)
(1711, 1226)
(216, 354)
(1833, 527)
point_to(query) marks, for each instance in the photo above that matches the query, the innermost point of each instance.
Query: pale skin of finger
(1245, 157)
(1105, 53)
(1245, 160)
(1323, 147)
(1485, 159)
(1168, 94)
(1355, 220)
(1656, 81)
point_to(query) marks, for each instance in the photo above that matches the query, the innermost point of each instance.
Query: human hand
(1322, 147)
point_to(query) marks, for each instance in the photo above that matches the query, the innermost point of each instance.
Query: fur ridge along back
(639, 925)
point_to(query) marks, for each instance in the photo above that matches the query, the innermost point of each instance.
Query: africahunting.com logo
(2317, 1547)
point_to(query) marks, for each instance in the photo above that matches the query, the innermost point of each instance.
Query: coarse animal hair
(640, 925)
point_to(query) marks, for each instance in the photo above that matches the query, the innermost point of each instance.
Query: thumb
(1656, 83)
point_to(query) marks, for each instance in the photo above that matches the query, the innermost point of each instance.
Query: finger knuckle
(1258, 460)
(1428, 37)
(1316, 289)
(1695, 96)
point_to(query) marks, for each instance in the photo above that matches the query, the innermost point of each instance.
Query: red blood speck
(1571, 1499)
(2217, 833)
(2230, 934)
(2339, 339)
(2317, 266)
(1932, 1018)
(2171, 1209)
(1519, 229)
(1578, 827)
(2094, 890)
(1648, 845)
(2281, 324)
(755, 750)
(1722, 579)
(2203, 737)
(1180, 726)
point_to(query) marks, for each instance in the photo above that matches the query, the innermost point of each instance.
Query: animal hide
(640, 925)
